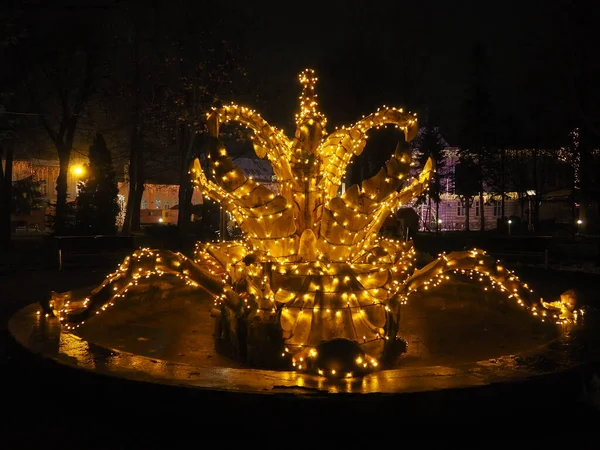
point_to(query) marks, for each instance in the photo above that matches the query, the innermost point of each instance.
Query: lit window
(144, 204)
(157, 204)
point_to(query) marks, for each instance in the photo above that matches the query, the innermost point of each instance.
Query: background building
(160, 199)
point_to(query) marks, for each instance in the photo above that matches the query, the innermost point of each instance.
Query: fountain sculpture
(312, 286)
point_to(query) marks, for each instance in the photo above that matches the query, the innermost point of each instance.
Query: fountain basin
(454, 342)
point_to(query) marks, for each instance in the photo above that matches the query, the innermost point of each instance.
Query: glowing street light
(78, 170)
(579, 223)
(509, 223)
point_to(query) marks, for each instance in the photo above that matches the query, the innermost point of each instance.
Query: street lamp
(579, 223)
(78, 170)
(509, 223)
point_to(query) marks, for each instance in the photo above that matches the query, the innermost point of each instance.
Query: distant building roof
(259, 169)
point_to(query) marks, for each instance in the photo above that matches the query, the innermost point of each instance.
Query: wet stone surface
(459, 323)
(456, 338)
(69, 402)
(162, 322)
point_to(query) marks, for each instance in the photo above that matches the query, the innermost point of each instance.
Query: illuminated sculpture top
(307, 220)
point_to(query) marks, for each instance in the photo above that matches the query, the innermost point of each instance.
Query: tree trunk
(126, 230)
(6, 194)
(522, 199)
(136, 186)
(131, 222)
(467, 205)
(573, 200)
(60, 218)
(536, 214)
(185, 143)
(502, 185)
(534, 210)
(481, 212)
(136, 222)
(185, 204)
(428, 222)
(481, 197)
(585, 166)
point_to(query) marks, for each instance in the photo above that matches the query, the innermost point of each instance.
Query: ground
(48, 406)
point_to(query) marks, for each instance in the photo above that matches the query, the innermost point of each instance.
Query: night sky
(409, 54)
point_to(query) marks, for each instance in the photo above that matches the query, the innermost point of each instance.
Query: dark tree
(60, 61)
(132, 96)
(6, 187)
(175, 72)
(476, 136)
(466, 185)
(96, 205)
(430, 144)
(26, 195)
(205, 70)
(565, 100)
(580, 26)
(11, 33)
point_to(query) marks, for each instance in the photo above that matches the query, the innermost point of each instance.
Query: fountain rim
(244, 381)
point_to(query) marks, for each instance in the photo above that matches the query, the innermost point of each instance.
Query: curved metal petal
(338, 148)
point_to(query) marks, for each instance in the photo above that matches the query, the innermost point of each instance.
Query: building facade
(159, 203)
(44, 171)
(533, 179)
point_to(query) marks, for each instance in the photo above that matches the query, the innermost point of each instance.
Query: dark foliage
(97, 206)
(26, 195)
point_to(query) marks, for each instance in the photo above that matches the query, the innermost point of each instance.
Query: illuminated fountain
(313, 289)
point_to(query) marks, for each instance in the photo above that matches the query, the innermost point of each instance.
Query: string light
(312, 261)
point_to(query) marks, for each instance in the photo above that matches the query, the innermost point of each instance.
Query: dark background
(416, 55)
(542, 70)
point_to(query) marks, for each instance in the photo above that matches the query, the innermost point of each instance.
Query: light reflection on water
(44, 335)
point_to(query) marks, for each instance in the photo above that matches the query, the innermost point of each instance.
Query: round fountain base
(462, 355)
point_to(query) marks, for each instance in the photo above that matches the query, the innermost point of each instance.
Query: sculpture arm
(338, 148)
